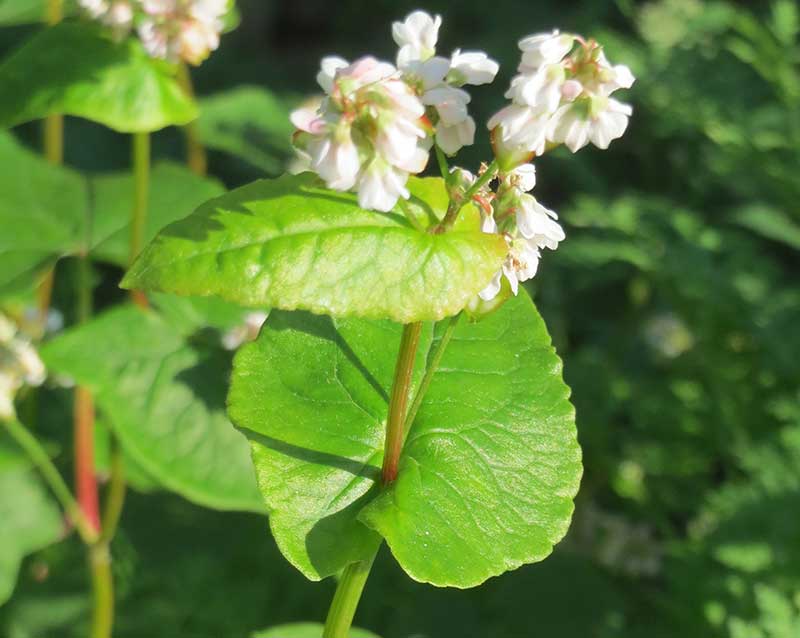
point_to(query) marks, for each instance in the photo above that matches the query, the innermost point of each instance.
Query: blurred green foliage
(674, 303)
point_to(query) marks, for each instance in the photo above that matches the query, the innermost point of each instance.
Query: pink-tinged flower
(368, 134)
(182, 29)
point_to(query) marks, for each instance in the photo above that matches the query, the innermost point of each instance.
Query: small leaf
(771, 223)
(290, 244)
(311, 396)
(250, 123)
(29, 518)
(306, 630)
(73, 68)
(488, 471)
(164, 398)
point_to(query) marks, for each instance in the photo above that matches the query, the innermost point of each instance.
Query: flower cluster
(19, 365)
(170, 29)
(560, 96)
(377, 122)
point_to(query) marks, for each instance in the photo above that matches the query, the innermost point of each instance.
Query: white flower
(416, 36)
(471, 67)
(28, 363)
(520, 265)
(538, 224)
(182, 29)
(381, 185)
(8, 387)
(117, 14)
(450, 103)
(544, 48)
(600, 122)
(561, 95)
(452, 138)
(368, 133)
(524, 177)
(95, 8)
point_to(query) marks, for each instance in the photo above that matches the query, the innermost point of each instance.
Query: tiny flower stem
(399, 400)
(141, 178)
(196, 157)
(345, 600)
(50, 474)
(432, 367)
(455, 207)
(444, 167)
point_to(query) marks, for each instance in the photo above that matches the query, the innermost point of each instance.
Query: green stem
(196, 157)
(42, 461)
(455, 207)
(141, 179)
(399, 400)
(115, 497)
(102, 591)
(444, 167)
(345, 600)
(432, 367)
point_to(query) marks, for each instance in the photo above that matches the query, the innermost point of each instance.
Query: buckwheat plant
(375, 412)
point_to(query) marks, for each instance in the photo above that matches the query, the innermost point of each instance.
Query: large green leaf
(306, 630)
(26, 11)
(42, 214)
(289, 243)
(29, 518)
(75, 69)
(175, 191)
(248, 122)
(488, 471)
(164, 397)
(311, 395)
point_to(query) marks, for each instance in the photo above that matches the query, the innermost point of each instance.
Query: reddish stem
(85, 477)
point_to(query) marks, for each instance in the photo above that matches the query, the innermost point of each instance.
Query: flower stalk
(196, 157)
(345, 600)
(141, 178)
(399, 400)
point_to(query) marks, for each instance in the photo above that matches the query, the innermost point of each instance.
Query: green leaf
(250, 123)
(174, 192)
(770, 223)
(13, 12)
(290, 244)
(29, 518)
(164, 398)
(42, 209)
(306, 630)
(73, 68)
(488, 471)
(311, 396)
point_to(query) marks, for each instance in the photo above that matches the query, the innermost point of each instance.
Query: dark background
(674, 303)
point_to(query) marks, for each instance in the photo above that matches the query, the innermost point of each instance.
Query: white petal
(526, 177)
(328, 68)
(492, 288)
(452, 138)
(472, 67)
(545, 48)
(416, 36)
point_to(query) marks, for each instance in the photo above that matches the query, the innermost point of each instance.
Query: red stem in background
(85, 476)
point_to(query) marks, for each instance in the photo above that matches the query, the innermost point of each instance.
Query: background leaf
(250, 123)
(306, 630)
(164, 397)
(29, 517)
(287, 243)
(73, 68)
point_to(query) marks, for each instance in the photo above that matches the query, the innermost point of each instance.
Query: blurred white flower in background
(247, 331)
(20, 365)
(174, 30)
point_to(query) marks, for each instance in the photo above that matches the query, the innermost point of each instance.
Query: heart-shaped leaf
(291, 244)
(488, 471)
(76, 69)
(164, 398)
(311, 395)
